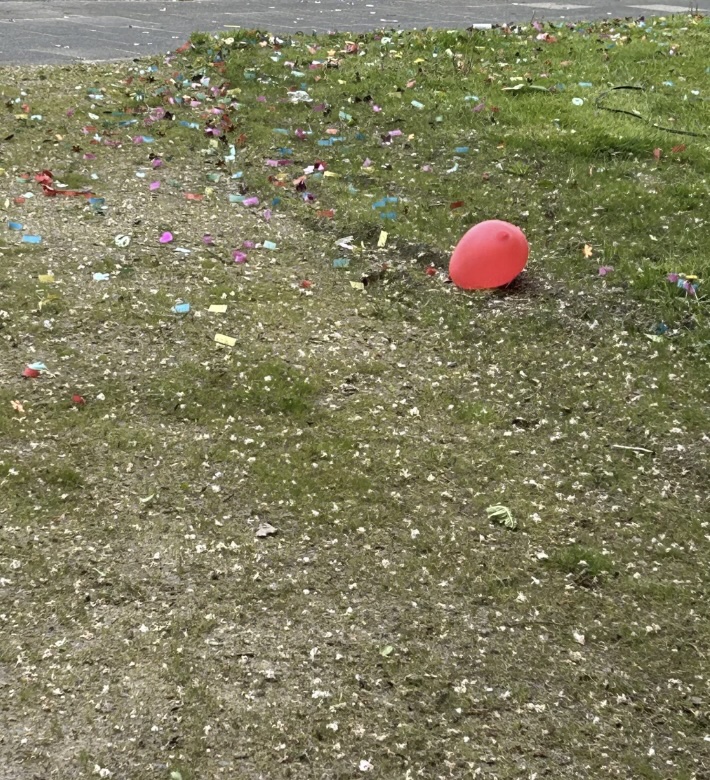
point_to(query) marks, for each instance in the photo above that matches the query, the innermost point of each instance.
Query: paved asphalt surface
(64, 31)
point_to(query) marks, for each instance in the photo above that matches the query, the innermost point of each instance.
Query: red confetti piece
(326, 213)
(456, 204)
(78, 400)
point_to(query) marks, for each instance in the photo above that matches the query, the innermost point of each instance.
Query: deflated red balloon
(491, 254)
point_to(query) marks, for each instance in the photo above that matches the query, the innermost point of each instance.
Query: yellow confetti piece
(218, 308)
(382, 240)
(22, 116)
(46, 278)
(332, 175)
(227, 341)
(357, 285)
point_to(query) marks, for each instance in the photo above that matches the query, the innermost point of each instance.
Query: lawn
(252, 439)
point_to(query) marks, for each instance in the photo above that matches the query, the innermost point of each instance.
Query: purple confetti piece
(207, 239)
(479, 107)
(248, 244)
(154, 185)
(239, 257)
(267, 215)
(394, 133)
(166, 238)
(253, 201)
(605, 269)
(157, 162)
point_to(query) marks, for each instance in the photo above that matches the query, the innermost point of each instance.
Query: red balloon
(491, 254)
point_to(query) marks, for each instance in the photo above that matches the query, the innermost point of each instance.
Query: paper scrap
(227, 341)
(218, 308)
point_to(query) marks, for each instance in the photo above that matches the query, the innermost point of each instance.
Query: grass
(388, 625)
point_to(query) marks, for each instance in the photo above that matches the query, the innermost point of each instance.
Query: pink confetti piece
(166, 238)
(376, 108)
(479, 107)
(367, 162)
(300, 134)
(157, 162)
(605, 269)
(253, 201)
(207, 239)
(239, 257)
(394, 133)
(267, 215)
(248, 244)
(154, 185)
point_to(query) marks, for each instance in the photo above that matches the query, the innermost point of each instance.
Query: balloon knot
(503, 236)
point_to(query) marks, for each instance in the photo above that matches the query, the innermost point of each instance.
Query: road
(63, 31)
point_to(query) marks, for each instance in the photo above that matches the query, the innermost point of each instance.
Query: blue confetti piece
(360, 136)
(269, 245)
(236, 198)
(325, 142)
(15, 225)
(461, 149)
(181, 308)
(285, 151)
(281, 130)
(585, 84)
(379, 204)
(127, 122)
(475, 98)
(341, 262)
(37, 366)
(352, 189)
(275, 201)
(191, 125)
(668, 84)
(31, 239)
(99, 277)
(238, 175)
(297, 74)
(388, 215)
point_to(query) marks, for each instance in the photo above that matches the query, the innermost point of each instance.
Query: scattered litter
(122, 241)
(686, 282)
(181, 308)
(31, 239)
(341, 262)
(382, 240)
(227, 341)
(100, 277)
(577, 101)
(266, 529)
(15, 226)
(218, 308)
(502, 515)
